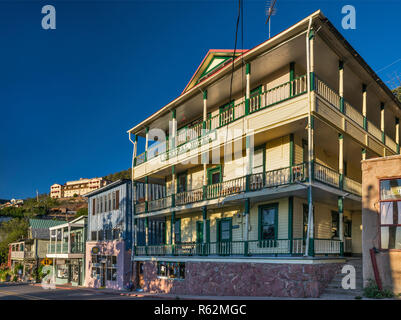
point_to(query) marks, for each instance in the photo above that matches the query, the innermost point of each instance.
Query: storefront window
(62, 271)
(171, 270)
(390, 213)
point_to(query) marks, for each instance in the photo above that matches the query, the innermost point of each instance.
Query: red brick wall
(244, 279)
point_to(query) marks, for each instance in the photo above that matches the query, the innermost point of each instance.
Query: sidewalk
(167, 296)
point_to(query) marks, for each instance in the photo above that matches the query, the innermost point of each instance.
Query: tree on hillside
(81, 212)
(397, 92)
(124, 174)
(14, 230)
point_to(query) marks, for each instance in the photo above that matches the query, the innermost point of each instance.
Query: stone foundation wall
(243, 279)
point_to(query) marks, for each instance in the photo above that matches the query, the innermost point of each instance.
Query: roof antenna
(270, 11)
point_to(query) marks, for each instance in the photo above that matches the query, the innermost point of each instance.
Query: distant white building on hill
(77, 187)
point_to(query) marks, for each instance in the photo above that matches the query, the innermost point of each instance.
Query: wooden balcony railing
(327, 175)
(160, 204)
(272, 247)
(191, 196)
(352, 186)
(331, 96)
(62, 248)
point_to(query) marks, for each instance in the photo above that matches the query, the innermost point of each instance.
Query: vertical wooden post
(363, 154)
(397, 134)
(341, 223)
(364, 107)
(204, 216)
(341, 84)
(248, 87)
(246, 243)
(204, 155)
(146, 143)
(292, 74)
(341, 160)
(290, 221)
(173, 185)
(146, 193)
(382, 122)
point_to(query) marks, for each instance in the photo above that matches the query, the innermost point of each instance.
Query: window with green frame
(268, 222)
(335, 224)
(199, 231)
(177, 230)
(214, 175)
(224, 230)
(305, 214)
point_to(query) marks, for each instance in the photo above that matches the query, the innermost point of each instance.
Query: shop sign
(47, 262)
(95, 250)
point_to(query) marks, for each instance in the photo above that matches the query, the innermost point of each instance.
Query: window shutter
(117, 199)
(93, 206)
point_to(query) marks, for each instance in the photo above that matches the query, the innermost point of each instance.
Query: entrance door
(224, 236)
(139, 274)
(214, 178)
(103, 276)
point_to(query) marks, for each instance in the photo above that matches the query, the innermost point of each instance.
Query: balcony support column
(291, 157)
(146, 231)
(146, 193)
(382, 122)
(341, 223)
(204, 216)
(172, 222)
(341, 84)
(204, 155)
(341, 160)
(249, 155)
(146, 143)
(173, 133)
(69, 240)
(248, 87)
(364, 107)
(290, 221)
(292, 75)
(309, 250)
(246, 235)
(173, 185)
(363, 154)
(397, 134)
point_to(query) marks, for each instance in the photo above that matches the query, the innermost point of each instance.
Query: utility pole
(37, 195)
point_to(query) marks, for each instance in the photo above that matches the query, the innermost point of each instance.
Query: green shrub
(373, 291)
(15, 278)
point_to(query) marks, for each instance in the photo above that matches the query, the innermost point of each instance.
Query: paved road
(24, 291)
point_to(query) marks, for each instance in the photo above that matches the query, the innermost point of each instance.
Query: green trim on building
(290, 220)
(210, 171)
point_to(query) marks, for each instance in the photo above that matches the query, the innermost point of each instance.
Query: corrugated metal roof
(44, 223)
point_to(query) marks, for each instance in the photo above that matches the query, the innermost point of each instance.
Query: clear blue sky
(67, 96)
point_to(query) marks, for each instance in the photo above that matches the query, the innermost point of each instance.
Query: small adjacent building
(31, 252)
(381, 219)
(67, 250)
(108, 249)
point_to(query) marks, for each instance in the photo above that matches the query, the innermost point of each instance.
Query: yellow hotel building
(257, 190)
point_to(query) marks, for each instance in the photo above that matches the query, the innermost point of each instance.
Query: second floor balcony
(249, 184)
(62, 248)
